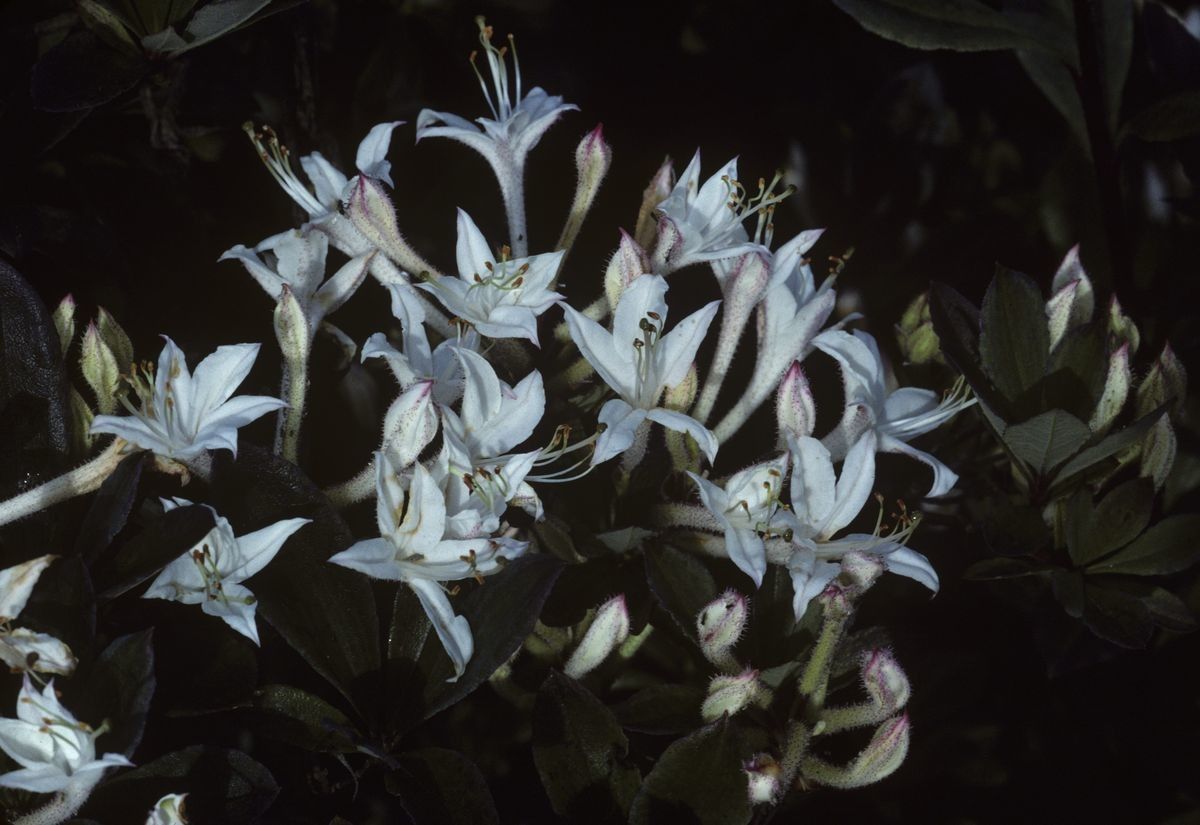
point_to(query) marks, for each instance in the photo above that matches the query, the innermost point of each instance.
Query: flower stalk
(78, 482)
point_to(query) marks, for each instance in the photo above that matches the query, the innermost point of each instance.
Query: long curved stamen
(499, 98)
(761, 204)
(276, 157)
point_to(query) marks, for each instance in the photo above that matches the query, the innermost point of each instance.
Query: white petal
(453, 631)
(49, 654)
(853, 485)
(681, 423)
(612, 363)
(26, 742)
(16, 584)
(328, 182)
(258, 548)
(42, 779)
(269, 280)
(234, 611)
(374, 557)
(425, 521)
(344, 283)
(372, 152)
(944, 478)
(814, 483)
(747, 552)
(472, 250)
(810, 576)
(676, 351)
(621, 422)
(862, 367)
(907, 562)
(218, 430)
(218, 376)
(641, 298)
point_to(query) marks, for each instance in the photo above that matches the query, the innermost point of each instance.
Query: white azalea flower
(296, 259)
(23, 649)
(747, 507)
(168, 811)
(895, 417)
(212, 572)
(183, 414)
(413, 548)
(55, 750)
(638, 361)
(506, 138)
(499, 296)
(823, 503)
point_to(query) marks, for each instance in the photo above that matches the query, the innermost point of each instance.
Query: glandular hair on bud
(795, 409)
(720, 624)
(291, 326)
(628, 262)
(861, 570)
(731, 694)
(877, 761)
(885, 681)
(608, 630)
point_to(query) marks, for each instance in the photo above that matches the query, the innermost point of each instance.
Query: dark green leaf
(1068, 589)
(661, 709)
(83, 72)
(1116, 615)
(64, 605)
(220, 17)
(1095, 531)
(202, 664)
(1047, 440)
(1078, 369)
(1010, 529)
(698, 779)
(681, 583)
(1169, 611)
(1172, 118)
(404, 680)
(110, 507)
(581, 753)
(956, 322)
(962, 25)
(222, 785)
(117, 687)
(143, 556)
(1014, 339)
(1056, 81)
(1089, 459)
(502, 612)
(325, 612)
(1168, 547)
(1005, 568)
(303, 720)
(438, 786)
(1114, 18)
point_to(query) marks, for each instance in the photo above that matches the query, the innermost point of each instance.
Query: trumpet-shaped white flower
(823, 503)
(168, 811)
(506, 138)
(747, 507)
(211, 573)
(55, 750)
(183, 414)
(638, 361)
(895, 417)
(413, 547)
(23, 649)
(296, 259)
(498, 295)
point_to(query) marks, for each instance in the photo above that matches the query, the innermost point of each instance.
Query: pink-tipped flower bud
(593, 157)
(836, 602)
(64, 322)
(762, 779)
(719, 626)
(668, 245)
(291, 326)
(656, 192)
(795, 409)
(608, 630)
(885, 681)
(879, 760)
(369, 208)
(626, 264)
(731, 694)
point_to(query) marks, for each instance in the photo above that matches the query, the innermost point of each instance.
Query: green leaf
(1078, 369)
(222, 785)
(956, 322)
(437, 786)
(1069, 590)
(1169, 611)
(110, 507)
(581, 753)
(1089, 459)
(117, 687)
(698, 779)
(1094, 531)
(1173, 118)
(502, 612)
(1115, 21)
(326, 613)
(404, 682)
(1047, 440)
(83, 72)
(681, 583)
(1014, 339)
(661, 709)
(301, 719)
(1056, 81)
(1117, 616)
(1168, 547)
(220, 17)
(962, 25)
(143, 556)
(1004, 568)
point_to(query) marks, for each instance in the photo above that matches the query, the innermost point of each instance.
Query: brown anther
(654, 315)
(518, 282)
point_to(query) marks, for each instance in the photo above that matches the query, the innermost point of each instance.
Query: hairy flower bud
(627, 263)
(291, 326)
(719, 626)
(608, 630)
(918, 342)
(1122, 327)
(860, 570)
(1158, 452)
(731, 694)
(100, 369)
(1116, 391)
(64, 322)
(370, 209)
(656, 192)
(885, 681)
(879, 760)
(1165, 383)
(795, 409)
(762, 779)
(593, 157)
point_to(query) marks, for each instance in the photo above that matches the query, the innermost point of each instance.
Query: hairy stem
(79, 481)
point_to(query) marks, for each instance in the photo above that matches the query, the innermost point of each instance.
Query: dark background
(931, 165)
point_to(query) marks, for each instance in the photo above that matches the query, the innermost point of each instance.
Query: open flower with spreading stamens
(705, 222)
(895, 417)
(211, 573)
(747, 507)
(20, 648)
(55, 750)
(184, 414)
(639, 362)
(506, 138)
(824, 502)
(499, 295)
(413, 547)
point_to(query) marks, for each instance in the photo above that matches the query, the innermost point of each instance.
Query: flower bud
(656, 192)
(1116, 391)
(795, 409)
(168, 811)
(762, 779)
(1158, 452)
(100, 369)
(114, 336)
(1073, 300)
(627, 263)
(879, 760)
(719, 626)
(64, 322)
(836, 603)
(1122, 327)
(667, 245)
(918, 342)
(681, 396)
(593, 157)
(885, 681)
(370, 209)
(410, 424)
(291, 326)
(731, 694)
(860, 570)
(609, 628)
(1165, 383)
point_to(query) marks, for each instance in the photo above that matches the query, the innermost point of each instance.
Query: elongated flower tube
(639, 362)
(506, 138)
